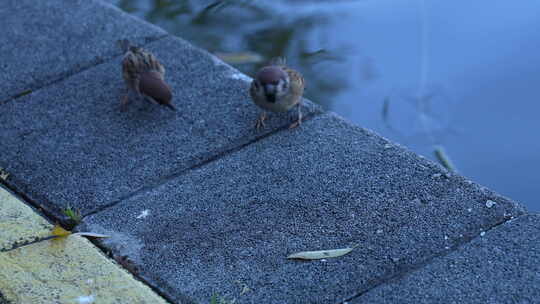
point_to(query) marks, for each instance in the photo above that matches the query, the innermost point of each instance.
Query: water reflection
(425, 74)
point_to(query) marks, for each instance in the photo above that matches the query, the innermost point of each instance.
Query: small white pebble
(387, 146)
(323, 260)
(379, 231)
(436, 175)
(470, 209)
(490, 203)
(143, 214)
(482, 233)
(446, 247)
(446, 237)
(85, 299)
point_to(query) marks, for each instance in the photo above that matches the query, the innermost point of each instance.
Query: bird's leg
(148, 102)
(260, 121)
(299, 121)
(124, 101)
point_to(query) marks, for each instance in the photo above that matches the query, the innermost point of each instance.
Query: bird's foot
(260, 122)
(123, 103)
(298, 122)
(295, 124)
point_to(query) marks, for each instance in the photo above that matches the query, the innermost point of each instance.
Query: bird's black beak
(270, 93)
(271, 97)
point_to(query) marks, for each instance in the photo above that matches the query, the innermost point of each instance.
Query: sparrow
(144, 74)
(277, 88)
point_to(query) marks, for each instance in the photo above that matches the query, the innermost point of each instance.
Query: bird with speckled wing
(144, 74)
(277, 88)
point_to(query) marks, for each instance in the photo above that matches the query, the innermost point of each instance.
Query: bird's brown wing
(153, 64)
(297, 81)
(147, 62)
(130, 70)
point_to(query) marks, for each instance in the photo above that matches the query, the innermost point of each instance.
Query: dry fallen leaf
(320, 254)
(91, 234)
(58, 231)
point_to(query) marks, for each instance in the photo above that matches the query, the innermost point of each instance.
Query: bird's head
(272, 82)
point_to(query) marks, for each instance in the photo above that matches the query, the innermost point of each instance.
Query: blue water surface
(461, 75)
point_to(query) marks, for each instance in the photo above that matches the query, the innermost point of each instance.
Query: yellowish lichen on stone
(18, 222)
(68, 270)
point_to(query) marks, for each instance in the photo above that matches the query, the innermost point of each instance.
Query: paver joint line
(69, 74)
(28, 200)
(413, 268)
(209, 159)
(19, 245)
(107, 252)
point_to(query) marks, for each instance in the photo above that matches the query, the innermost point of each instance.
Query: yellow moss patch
(68, 270)
(18, 222)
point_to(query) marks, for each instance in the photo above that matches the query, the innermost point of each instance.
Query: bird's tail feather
(124, 44)
(278, 61)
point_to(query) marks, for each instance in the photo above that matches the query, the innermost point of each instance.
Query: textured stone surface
(502, 266)
(43, 41)
(230, 223)
(68, 270)
(68, 144)
(202, 204)
(19, 224)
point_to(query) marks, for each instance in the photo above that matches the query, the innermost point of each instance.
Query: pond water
(460, 75)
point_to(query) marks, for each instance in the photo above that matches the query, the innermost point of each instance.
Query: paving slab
(43, 41)
(68, 144)
(226, 227)
(19, 224)
(502, 266)
(67, 270)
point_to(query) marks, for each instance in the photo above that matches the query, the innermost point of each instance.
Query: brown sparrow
(144, 74)
(277, 88)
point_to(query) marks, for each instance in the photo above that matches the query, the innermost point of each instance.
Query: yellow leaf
(320, 254)
(91, 234)
(59, 231)
(240, 58)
